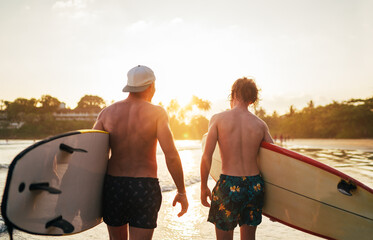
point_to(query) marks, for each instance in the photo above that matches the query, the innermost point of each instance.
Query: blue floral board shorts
(135, 201)
(237, 200)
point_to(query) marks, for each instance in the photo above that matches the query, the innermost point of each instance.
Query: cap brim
(135, 89)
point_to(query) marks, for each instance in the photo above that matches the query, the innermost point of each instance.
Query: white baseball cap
(139, 78)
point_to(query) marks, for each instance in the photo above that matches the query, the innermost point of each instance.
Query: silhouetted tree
(49, 103)
(198, 126)
(173, 107)
(203, 105)
(260, 112)
(18, 109)
(90, 103)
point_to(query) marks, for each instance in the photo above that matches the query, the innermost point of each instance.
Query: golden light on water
(191, 225)
(190, 165)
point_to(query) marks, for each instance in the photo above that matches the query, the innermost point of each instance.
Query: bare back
(239, 134)
(132, 124)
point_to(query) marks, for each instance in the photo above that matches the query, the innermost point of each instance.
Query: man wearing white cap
(132, 195)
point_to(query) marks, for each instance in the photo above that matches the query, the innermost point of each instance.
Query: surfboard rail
(296, 227)
(313, 162)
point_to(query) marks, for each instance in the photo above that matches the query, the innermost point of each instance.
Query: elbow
(206, 162)
(173, 160)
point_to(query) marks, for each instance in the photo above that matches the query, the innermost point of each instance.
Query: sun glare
(183, 100)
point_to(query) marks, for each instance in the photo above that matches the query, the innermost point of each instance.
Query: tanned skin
(135, 125)
(239, 134)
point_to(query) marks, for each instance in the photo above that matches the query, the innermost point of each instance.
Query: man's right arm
(211, 140)
(98, 124)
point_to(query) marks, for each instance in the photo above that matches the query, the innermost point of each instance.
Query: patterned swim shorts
(131, 200)
(237, 200)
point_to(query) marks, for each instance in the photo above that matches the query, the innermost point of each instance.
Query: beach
(353, 157)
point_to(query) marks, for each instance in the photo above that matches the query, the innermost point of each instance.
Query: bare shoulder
(112, 106)
(219, 116)
(106, 111)
(102, 113)
(112, 109)
(259, 121)
(261, 124)
(157, 111)
(214, 120)
(102, 119)
(267, 136)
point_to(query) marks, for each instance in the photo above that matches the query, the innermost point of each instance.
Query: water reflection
(356, 163)
(192, 225)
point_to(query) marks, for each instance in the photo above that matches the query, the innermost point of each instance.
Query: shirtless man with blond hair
(132, 195)
(238, 195)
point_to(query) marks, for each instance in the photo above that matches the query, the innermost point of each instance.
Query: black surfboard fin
(44, 186)
(346, 187)
(70, 149)
(61, 223)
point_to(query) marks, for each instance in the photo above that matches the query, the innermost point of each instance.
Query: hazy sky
(298, 50)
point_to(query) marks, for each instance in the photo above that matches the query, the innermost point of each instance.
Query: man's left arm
(173, 161)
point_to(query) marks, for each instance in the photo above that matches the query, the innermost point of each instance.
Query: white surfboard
(310, 196)
(54, 187)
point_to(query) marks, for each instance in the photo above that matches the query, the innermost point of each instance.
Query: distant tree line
(346, 119)
(36, 120)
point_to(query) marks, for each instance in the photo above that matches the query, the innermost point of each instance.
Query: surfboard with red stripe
(310, 196)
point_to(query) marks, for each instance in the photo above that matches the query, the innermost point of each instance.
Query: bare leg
(247, 232)
(118, 233)
(223, 235)
(141, 233)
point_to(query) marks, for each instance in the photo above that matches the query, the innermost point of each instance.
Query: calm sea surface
(353, 157)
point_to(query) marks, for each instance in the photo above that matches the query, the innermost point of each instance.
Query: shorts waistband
(125, 178)
(225, 177)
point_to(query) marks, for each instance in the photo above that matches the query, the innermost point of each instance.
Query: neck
(236, 104)
(139, 96)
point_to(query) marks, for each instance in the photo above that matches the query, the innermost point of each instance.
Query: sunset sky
(297, 50)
